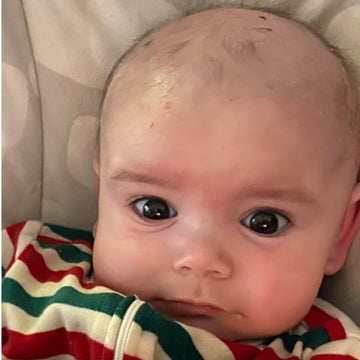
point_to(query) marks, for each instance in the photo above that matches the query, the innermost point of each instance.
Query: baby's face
(222, 215)
(223, 206)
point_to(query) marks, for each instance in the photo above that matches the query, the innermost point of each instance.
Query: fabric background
(56, 57)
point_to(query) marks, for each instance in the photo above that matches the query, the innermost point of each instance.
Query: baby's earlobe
(350, 226)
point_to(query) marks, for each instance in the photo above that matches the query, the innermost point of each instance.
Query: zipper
(126, 322)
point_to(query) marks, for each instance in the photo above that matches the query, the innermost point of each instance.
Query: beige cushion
(57, 54)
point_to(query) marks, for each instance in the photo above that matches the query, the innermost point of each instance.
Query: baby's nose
(203, 259)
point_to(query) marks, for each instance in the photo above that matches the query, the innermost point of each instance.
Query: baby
(231, 156)
(229, 153)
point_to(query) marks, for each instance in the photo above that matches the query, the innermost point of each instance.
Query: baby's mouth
(184, 308)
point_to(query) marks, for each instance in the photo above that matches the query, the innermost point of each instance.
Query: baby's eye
(266, 222)
(154, 208)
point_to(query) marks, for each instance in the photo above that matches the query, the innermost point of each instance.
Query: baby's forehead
(236, 46)
(237, 53)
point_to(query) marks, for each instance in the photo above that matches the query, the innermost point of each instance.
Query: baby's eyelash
(266, 222)
(150, 208)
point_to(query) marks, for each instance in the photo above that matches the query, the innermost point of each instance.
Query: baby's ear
(96, 166)
(349, 228)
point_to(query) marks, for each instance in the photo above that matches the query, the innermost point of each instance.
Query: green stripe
(173, 338)
(71, 233)
(311, 339)
(13, 293)
(67, 252)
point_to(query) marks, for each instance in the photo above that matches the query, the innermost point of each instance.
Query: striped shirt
(53, 309)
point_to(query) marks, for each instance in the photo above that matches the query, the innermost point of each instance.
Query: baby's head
(227, 172)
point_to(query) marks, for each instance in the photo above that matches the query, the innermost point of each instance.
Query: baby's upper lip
(185, 307)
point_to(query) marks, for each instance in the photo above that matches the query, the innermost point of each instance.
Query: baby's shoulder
(29, 230)
(24, 238)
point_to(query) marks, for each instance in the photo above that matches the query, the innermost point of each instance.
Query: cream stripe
(112, 335)
(92, 323)
(140, 343)
(160, 353)
(29, 232)
(210, 347)
(281, 352)
(46, 231)
(349, 346)
(350, 327)
(144, 344)
(21, 274)
(54, 262)
(28, 235)
(124, 330)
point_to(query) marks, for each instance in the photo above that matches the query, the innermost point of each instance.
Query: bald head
(238, 53)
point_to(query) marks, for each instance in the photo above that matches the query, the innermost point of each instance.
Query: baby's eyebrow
(286, 194)
(135, 177)
(295, 194)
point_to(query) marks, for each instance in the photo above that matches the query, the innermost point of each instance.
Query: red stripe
(270, 354)
(129, 357)
(50, 240)
(248, 352)
(317, 318)
(242, 351)
(52, 343)
(335, 330)
(39, 270)
(14, 232)
(333, 357)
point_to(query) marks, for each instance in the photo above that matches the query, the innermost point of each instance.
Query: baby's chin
(228, 333)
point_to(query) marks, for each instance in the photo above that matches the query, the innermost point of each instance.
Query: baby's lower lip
(184, 308)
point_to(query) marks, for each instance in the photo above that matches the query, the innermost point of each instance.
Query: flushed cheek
(126, 266)
(126, 278)
(285, 297)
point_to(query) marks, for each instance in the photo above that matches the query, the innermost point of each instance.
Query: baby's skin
(227, 172)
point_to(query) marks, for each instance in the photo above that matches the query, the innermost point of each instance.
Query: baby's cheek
(283, 297)
(120, 269)
(108, 264)
(113, 277)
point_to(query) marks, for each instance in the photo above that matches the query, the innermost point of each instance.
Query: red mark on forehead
(168, 105)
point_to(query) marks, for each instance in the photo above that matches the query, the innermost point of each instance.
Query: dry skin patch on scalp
(161, 63)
